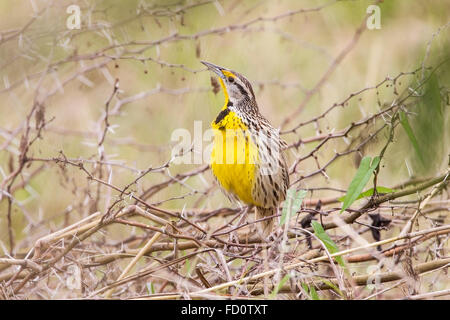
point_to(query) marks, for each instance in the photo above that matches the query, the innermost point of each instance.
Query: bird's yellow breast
(234, 156)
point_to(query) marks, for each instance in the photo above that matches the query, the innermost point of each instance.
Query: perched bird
(247, 157)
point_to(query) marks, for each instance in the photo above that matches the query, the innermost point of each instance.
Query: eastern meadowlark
(247, 158)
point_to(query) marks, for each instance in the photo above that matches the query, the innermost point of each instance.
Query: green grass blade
(292, 204)
(406, 126)
(279, 286)
(311, 291)
(332, 285)
(325, 238)
(150, 288)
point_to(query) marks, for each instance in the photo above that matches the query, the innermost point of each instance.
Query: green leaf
(368, 193)
(311, 291)
(325, 238)
(292, 204)
(360, 179)
(279, 286)
(332, 285)
(405, 124)
(188, 267)
(305, 287)
(150, 288)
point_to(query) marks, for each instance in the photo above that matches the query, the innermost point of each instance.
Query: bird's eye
(230, 79)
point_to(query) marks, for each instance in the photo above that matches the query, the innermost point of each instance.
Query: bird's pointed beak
(214, 68)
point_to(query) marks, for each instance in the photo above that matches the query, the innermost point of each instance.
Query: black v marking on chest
(222, 115)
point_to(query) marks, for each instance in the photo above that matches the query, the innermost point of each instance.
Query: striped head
(237, 89)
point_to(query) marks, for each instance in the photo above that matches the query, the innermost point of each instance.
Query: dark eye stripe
(241, 89)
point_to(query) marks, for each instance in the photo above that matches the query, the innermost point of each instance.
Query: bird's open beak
(216, 69)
